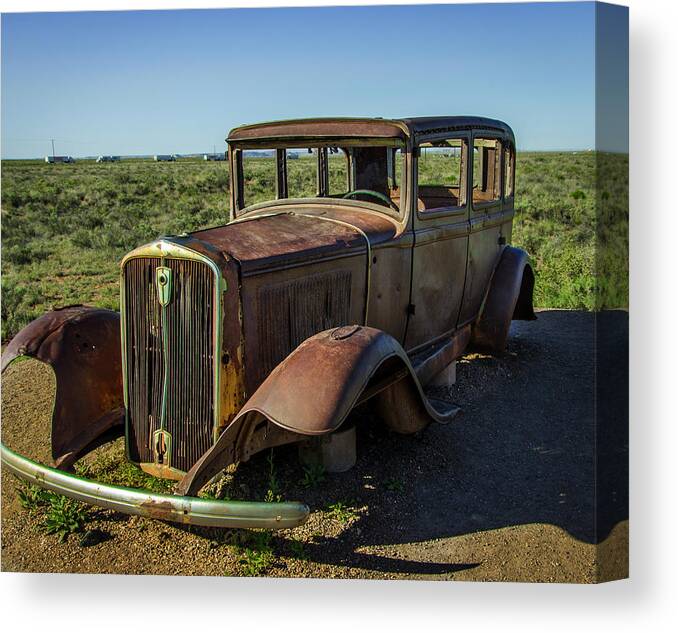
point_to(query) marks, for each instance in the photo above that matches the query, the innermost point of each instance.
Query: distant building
(59, 159)
(159, 158)
(214, 156)
(108, 159)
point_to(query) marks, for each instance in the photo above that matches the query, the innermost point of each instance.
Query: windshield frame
(237, 149)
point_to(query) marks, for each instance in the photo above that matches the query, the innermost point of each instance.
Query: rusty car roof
(363, 127)
(430, 125)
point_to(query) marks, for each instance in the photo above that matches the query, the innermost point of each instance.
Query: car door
(486, 218)
(440, 228)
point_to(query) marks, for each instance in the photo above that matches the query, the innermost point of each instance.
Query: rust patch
(281, 238)
(344, 332)
(162, 510)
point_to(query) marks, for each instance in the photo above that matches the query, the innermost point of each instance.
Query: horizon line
(193, 154)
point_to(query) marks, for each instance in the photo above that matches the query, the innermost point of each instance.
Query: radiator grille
(189, 364)
(290, 312)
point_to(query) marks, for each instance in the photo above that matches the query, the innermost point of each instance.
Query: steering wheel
(376, 194)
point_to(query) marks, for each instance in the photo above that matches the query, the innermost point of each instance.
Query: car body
(356, 271)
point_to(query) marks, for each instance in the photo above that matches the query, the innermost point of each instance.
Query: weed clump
(256, 554)
(60, 515)
(314, 475)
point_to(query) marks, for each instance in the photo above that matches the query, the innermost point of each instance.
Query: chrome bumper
(191, 510)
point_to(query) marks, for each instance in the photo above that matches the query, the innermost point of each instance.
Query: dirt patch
(505, 492)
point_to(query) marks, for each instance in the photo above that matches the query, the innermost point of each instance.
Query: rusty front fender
(82, 345)
(314, 389)
(509, 297)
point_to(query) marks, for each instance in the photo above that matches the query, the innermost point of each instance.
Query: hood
(286, 238)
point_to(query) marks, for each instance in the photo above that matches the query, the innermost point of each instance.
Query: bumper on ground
(189, 510)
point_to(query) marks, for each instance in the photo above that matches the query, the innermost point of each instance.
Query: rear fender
(314, 389)
(509, 297)
(82, 345)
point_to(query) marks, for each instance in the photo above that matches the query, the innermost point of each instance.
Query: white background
(646, 601)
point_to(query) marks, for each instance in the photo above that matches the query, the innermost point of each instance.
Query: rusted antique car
(362, 257)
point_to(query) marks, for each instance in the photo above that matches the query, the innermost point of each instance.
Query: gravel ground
(505, 492)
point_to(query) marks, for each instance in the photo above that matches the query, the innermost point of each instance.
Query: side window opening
(486, 170)
(509, 170)
(441, 171)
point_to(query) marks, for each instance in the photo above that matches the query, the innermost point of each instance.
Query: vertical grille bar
(189, 320)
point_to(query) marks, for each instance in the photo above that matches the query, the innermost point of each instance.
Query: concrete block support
(447, 377)
(335, 452)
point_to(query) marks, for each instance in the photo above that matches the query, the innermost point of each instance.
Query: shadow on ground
(526, 450)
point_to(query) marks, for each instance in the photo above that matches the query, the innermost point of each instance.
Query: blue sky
(178, 81)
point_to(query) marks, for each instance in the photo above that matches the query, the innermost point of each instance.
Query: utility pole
(52, 147)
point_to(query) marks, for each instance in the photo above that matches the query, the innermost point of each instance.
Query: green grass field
(65, 227)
